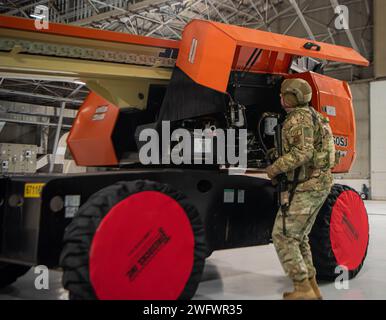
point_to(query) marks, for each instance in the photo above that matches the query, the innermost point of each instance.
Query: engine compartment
(193, 107)
(104, 135)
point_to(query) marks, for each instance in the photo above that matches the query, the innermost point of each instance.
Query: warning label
(33, 190)
(146, 250)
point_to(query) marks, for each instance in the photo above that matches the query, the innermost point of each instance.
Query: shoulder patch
(297, 132)
(299, 116)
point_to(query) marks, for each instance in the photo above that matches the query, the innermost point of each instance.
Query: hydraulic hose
(263, 116)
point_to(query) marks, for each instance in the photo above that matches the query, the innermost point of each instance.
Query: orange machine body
(91, 144)
(90, 138)
(207, 53)
(333, 99)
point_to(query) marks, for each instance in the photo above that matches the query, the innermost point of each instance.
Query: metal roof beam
(334, 4)
(131, 8)
(302, 19)
(41, 96)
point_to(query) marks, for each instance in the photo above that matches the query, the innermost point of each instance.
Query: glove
(272, 172)
(272, 155)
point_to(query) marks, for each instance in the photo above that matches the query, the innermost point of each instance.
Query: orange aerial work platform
(142, 230)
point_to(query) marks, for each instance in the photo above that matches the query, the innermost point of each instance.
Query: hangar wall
(359, 174)
(379, 38)
(378, 139)
(361, 167)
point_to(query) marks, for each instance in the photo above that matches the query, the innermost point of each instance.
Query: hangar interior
(38, 110)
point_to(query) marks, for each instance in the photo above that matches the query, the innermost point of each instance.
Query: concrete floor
(253, 273)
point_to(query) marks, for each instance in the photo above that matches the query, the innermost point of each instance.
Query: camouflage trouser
(293, 249)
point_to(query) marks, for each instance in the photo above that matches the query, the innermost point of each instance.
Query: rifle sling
(294, 184)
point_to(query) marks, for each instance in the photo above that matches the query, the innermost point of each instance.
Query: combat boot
(302, 291)
(315, 287)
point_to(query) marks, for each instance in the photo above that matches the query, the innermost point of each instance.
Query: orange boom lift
(138, 231)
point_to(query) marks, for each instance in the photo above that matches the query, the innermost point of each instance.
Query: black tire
(80, 232)
(323, 255)
(9, 273)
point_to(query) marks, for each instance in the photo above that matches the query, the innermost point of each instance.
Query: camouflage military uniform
(300, 137)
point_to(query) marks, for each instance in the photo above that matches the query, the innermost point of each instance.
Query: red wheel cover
(143, 249)
(349, 230)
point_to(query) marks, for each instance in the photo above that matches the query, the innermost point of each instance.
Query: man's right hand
(272, 155)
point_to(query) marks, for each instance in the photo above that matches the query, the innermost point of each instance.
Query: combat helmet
(296, 92)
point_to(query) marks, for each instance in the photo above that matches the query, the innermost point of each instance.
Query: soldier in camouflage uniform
(302, 148)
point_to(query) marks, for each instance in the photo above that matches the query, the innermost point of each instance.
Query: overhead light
(37, 16)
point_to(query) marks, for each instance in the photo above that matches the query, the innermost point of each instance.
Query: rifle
(282, 183)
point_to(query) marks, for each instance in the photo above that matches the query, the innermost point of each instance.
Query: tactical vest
(324, 150)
